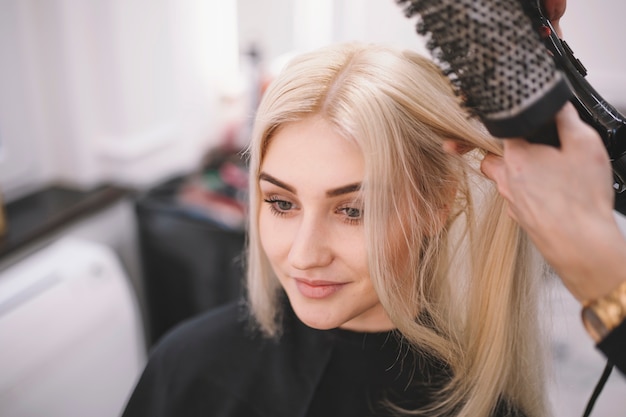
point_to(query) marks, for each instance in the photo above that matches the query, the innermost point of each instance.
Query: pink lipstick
(317, 289)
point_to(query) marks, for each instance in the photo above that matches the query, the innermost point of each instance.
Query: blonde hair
(466, 292)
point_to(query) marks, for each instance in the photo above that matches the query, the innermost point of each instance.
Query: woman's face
(310, 224)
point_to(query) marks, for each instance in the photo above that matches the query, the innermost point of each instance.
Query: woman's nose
(310, 247)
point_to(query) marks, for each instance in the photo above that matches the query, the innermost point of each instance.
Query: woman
(377, 286)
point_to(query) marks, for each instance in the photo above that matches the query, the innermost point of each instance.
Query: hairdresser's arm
(595, 169)
(564, 199)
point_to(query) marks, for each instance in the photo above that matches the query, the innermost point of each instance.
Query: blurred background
(123, 188)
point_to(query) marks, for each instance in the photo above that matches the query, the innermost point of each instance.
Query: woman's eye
(283, 205)
(278, 206)
(352, 215)
(352, 212)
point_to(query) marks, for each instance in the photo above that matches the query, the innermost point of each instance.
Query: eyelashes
(349, 213)
(278, 206)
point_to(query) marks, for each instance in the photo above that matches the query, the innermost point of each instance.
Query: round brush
(514, 73)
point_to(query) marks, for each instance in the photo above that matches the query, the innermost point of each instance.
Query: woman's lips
(317, 289)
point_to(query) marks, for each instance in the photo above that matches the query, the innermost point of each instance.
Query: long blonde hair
(466, 291)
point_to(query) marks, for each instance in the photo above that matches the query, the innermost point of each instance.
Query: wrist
(602, 315)
(593, 266)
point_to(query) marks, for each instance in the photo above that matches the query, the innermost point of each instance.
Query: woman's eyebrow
(267, 177)
(346, 189)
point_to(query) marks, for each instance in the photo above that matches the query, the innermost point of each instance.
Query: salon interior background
(133, 92)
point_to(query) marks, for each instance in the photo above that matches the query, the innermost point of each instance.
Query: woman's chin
(316, 317)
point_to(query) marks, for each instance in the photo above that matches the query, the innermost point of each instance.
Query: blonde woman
(385, 277)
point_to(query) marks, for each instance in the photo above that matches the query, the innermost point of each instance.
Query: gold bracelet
(606, 313)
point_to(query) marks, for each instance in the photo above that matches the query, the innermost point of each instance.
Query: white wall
(22, 160)
(281, 27)
(594, 29)
(122, 90)
(130, 90)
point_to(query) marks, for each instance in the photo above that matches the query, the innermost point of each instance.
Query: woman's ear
(442, 215)
(455, 147)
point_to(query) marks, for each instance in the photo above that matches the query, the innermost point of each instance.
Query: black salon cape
(216, 366)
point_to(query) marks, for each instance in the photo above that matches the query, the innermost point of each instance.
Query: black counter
(50, 209)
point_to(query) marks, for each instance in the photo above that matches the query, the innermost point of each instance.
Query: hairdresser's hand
(554, 10)
(564, 199)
